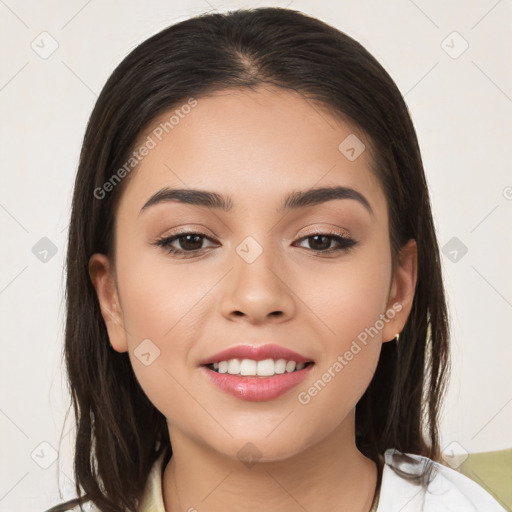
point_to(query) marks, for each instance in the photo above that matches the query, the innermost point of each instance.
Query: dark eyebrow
(296, 199)
(313, 196)
(190, 196)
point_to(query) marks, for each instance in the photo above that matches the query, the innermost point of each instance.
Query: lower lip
(257, 389)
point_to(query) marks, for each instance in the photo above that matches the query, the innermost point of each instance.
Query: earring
(397, 337)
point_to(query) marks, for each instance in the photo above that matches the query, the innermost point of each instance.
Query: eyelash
(345, 243)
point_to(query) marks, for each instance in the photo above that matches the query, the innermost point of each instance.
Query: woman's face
(259, 273)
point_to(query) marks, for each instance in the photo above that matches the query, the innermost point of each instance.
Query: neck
(331, 475)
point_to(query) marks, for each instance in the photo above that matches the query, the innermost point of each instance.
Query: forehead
(253, 143)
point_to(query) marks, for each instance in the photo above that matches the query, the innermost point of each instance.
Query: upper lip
(269, 351)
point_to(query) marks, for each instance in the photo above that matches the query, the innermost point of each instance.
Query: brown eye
(189, 242)
(322, 243)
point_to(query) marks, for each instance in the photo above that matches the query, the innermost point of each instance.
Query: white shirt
(448, 491)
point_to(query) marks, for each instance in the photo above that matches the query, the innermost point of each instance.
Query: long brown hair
(120, 434)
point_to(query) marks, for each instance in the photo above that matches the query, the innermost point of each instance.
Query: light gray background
(461, 105)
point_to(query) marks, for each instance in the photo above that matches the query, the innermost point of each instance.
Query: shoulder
(85, 507)
(151, 500)
(72, 506)
(447, 490)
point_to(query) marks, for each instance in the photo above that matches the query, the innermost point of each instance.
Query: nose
(258, 291)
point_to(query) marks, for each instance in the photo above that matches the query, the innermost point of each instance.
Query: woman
(255, 310)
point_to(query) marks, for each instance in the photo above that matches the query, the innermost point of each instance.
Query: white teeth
(234, 366)
(265, 368)
(248, 367)
(290, 366)
(280, 366)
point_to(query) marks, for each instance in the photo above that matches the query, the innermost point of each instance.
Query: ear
(103, 279)
(401, 291)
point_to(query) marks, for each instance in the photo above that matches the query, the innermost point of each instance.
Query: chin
(255, 447)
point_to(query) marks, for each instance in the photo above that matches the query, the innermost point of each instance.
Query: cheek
(164, 308)
(159, 296)
(350, 299)
(352, 343)
(348, 296)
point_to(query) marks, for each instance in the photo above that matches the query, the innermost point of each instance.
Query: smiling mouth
(253, 368)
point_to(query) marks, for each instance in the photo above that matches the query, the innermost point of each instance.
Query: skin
(255, 146)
